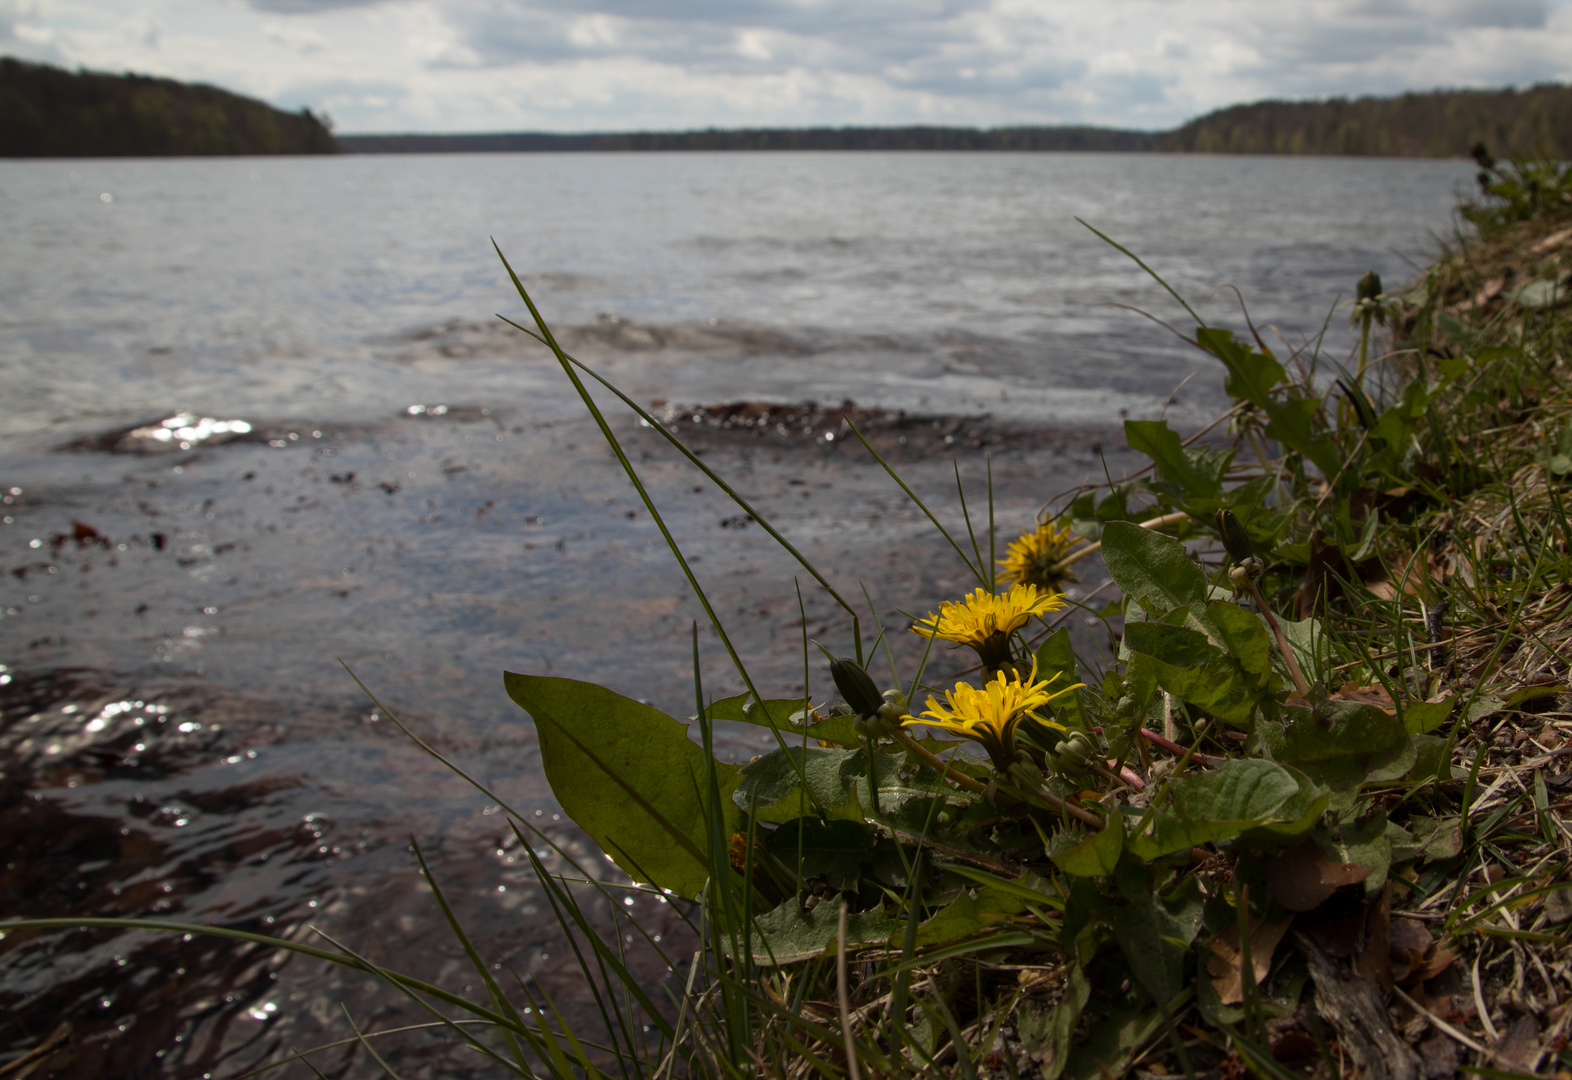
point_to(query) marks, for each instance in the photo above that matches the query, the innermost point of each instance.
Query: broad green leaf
(1191, 668)
(1295, 817)
(1056, 661)
(1429, 752)
(1154, 570)
(1256, 377)
(1340, 744)
(967, 916)
(1362, 843)
(1244, 793)
(1046, 1035)
(1195, 472)
(1095, 855)
(1239, 633)
(629, 776)
(1423, 717)
(834, 850)
(1151, 941)
(895, 789)
(1439, 838)
(771, 784)
(1251, 375)
(787, 934)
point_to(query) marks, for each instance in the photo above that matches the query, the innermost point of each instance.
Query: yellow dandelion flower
(1035, 558)
(985, 620)
(991, 714)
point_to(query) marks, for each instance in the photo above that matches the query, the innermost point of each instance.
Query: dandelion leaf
(629, 776)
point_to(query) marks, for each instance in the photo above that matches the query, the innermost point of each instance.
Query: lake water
(418, 493)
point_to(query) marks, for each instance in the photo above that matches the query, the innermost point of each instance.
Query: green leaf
(1295, 817)
(1340, 744)
(1251, 375)
(1154, 570)
(629, 776)
(1255, 377)
(1423, 717)
(1056, 661)
(1244, 793)
(967, 916)
(1147, 934)
(1095, 855)
(1239, 633)
(1196, 472)
(1439, 838)
(1363, 843)
(770, 785)
(834, 850)
(1111, 1040)
(1191, 668)
(787, 934)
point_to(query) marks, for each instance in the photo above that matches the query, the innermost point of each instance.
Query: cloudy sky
(598, 65)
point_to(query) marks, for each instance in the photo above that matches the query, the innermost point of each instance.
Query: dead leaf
(1303, 878)
(1558, 906)
(1411, 946)
(1518, 1047)
(1439, 961)
(1226, 965)
(1366, 695)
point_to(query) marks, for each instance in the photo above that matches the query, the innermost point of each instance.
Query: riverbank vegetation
(48, 112)
(1307, 816)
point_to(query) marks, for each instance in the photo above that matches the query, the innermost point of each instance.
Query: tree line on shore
(49, 112)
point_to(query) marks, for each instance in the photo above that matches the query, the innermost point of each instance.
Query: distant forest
(48, 112)
(1443, 123)
(848, 138)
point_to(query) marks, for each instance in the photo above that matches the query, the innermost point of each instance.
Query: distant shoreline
(1437, 124)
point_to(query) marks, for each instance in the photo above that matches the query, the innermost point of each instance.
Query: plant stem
(1282, 642)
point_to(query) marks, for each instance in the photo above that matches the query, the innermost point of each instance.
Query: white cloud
(466, 65)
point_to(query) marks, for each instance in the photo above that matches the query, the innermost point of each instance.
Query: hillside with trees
(1442, 123)
(48, 112)
(823, 138)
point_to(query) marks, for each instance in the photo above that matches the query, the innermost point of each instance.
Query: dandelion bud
(856, 686)
(1072, 754)
(1024, 775)
(1235, 539)
(1369, 286)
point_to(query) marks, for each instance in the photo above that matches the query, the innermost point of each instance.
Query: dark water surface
(413, 489)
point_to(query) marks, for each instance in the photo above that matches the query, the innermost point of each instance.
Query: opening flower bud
(856, 686)
(1235, 539)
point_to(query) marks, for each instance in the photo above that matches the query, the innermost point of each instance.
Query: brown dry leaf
(1439, 961)
(1411, 946)
(1518, 1047)
(1226, 965)
(1366, 695)
(1303, 878)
